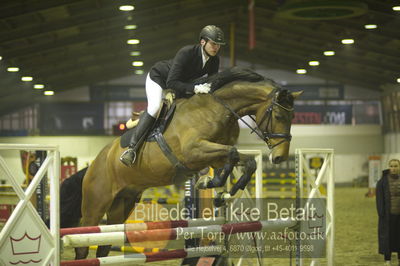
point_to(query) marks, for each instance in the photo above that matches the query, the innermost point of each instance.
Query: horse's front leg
(250, 167)
(221, 174)
(204, 153)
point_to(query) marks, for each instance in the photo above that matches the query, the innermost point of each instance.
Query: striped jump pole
(133, 259)
(132, 249)
(120, 238)
(140, 226)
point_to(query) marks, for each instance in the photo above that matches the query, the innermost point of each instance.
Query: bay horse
(202, 133)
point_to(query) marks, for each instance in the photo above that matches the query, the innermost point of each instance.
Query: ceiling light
(313, 63)
(13, 69)
(26, 78)
(370, 26)
(398, 80)
(135, 53)
(38, 86)
(133, 41)
(301, 71)
(139, 72)
(347, 41)
(48, 93)
(396, 8)
(137, 63)
(1, 57)
(329, 53)
(130, 27)
(126, 8)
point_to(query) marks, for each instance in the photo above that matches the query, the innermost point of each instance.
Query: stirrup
(128, 157)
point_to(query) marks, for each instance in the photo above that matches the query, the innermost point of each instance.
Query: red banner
(69, 166)
(67, 171)
(5, 212)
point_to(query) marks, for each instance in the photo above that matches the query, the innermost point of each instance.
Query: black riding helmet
(212, 33)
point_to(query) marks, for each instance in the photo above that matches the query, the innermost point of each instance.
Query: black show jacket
(180, 73)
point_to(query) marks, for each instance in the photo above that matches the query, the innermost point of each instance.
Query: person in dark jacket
(388, 207)
(178, 74)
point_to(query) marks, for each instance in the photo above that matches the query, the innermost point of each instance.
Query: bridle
(266, 135)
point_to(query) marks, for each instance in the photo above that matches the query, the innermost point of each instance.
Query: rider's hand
(170, 96)
(202, 88)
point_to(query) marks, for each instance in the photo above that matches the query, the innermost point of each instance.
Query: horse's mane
(233, 74)
(245, 74)
(236, 74)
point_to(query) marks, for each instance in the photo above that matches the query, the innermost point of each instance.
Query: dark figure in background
(388, 206)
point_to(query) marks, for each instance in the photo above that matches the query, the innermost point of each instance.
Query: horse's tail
(71, 199)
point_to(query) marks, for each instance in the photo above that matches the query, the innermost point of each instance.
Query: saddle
(163, 120)
(156, 135)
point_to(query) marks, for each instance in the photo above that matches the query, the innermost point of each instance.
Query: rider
(191, 62)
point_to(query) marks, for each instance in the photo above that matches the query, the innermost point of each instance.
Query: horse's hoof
(200, 185)
(219, 202)
(81, 253)
(202, 182)
(220, 199)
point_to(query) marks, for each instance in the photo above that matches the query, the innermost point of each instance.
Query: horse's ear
(297, 94)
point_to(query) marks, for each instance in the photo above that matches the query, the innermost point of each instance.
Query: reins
(265, 136)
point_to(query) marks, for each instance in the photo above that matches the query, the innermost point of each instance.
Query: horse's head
(274, 120)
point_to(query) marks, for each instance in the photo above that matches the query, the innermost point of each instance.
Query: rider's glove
(170, 96)
(202, 88)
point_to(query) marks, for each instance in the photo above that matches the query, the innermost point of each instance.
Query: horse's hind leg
(96, 199)
(82, 252)
(118, 213)
(90, 218)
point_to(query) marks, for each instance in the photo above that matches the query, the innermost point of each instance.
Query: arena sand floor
(355, 239)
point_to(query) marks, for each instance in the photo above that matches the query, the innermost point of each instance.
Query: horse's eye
(279, 117)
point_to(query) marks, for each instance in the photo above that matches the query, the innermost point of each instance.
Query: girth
(182, 172)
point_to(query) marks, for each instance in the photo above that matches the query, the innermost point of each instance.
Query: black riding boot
(145, 122)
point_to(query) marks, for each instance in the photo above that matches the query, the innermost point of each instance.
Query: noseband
(266, 135)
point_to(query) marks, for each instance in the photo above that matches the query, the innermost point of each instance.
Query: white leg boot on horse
(138, 137)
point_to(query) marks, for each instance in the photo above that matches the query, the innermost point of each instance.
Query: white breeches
(154, 97)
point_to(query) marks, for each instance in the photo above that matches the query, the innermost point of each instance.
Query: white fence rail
(25, 238)
(315, 179)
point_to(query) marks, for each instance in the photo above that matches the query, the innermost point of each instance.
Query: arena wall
(352, 144)
(392, 143)
(392, 148)
(83, 147)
